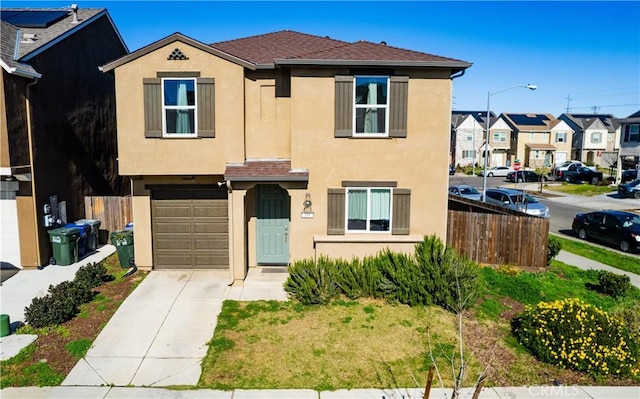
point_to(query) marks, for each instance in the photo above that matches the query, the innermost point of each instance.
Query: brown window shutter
(401, 211)
(344, 106)
(336, 211)
(152, 107)
(206, 107)
(399, 98)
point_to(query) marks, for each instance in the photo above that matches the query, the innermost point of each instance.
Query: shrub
(49, 310)
(311, 282)
(452, 280)
(553, 248)
(629, 314)
(612, 284)
(357, 278)
(403, 281)
(92, 274)
(73, 291)
(570, 333)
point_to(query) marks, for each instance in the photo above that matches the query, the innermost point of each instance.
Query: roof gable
(530, 122)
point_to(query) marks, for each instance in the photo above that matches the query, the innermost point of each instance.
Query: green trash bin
(5, 325)
(123, 241)
(64, 241)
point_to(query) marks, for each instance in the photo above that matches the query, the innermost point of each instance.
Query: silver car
(517, 200)
(465, 191)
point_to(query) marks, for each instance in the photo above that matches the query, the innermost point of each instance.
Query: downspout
(232, 268)
(33, 174)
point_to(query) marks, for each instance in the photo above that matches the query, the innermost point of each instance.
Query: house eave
(24, 72)
(458, 65)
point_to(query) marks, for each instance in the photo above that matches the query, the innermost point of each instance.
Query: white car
(465, 191)
(496, 171)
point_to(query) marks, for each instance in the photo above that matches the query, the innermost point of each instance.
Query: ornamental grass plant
(573, 334)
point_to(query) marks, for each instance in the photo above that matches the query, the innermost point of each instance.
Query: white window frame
(368, 221)
(594, 135)
(501, 135)
(532, 136)
(468, 136)
(563, 135)
(378, 106)
(468, 152)
(193, 107)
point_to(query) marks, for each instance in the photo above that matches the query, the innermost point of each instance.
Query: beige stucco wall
(29, 248)
(418, 162)
(140, 156)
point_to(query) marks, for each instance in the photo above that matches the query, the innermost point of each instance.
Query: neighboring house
(630, 142)
(467, 136)
(499, 142)
(285, 146)
(595, 138)
(533, 139)
(57, 121)
(561, 138)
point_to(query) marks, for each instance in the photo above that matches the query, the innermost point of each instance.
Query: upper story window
(368, 209)
(499, 137)
(561, 137)
(596, 138)
(179, 106)
(468, 136)
(532, 136)
(371, 104)
(632, 133)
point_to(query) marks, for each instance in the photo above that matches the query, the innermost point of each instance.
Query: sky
(583, 56)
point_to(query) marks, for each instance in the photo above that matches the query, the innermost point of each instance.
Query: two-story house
(595, 135)
(267, 149)
(629, 141)
(57, 122)
(538, 140)
(467, 136)
(499, 142)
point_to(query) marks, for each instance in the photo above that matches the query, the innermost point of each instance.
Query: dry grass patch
(364, 344)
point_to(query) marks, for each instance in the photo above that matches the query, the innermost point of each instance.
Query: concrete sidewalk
(533, 392)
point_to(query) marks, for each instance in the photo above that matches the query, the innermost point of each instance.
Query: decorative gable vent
(177, 55)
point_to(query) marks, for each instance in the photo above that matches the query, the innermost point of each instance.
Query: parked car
(452, 170)
(631, 189)
(465, 191)
(576, 174)
(517, 200)
(558, 172)
(629, 175)
(525, 176)
(496, 171)
(617, 228)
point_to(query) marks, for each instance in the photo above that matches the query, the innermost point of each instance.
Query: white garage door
(9, 240)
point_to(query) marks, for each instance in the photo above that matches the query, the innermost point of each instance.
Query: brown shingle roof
(265, 170)
(293, 46)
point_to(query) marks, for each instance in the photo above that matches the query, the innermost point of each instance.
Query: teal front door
(272, 225)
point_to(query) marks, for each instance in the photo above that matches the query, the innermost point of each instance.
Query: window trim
(563, 135)
(593, 135)
(500, 134)
(193, 107)
(368, 221)
(467, 153)
(385, 106)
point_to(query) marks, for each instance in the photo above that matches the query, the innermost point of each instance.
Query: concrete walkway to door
(159, 335)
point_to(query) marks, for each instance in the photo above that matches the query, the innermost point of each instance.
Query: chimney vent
(74, 10)
(383, 43)
(29, 38)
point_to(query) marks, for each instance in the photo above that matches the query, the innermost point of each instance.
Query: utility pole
(595, 109)
(568, 99)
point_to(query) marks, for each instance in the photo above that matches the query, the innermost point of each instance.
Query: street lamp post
(486, 141)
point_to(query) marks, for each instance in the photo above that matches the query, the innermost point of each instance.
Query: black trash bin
(91, 239)
(123, 241)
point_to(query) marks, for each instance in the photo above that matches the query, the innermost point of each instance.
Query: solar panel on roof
(32, 19)
(526, 120)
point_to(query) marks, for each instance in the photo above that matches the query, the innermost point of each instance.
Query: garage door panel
(190, 233)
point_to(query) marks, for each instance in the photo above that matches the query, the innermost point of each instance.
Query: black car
(629, 175)
(631, 189)
(618, 228)
(524, 176)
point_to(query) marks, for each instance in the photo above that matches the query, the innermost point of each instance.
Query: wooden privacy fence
(113, 212)
(496, 239)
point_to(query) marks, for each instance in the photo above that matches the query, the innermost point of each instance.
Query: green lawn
(602, 255)
(587, 190)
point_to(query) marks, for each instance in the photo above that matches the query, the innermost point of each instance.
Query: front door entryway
(272, 233)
